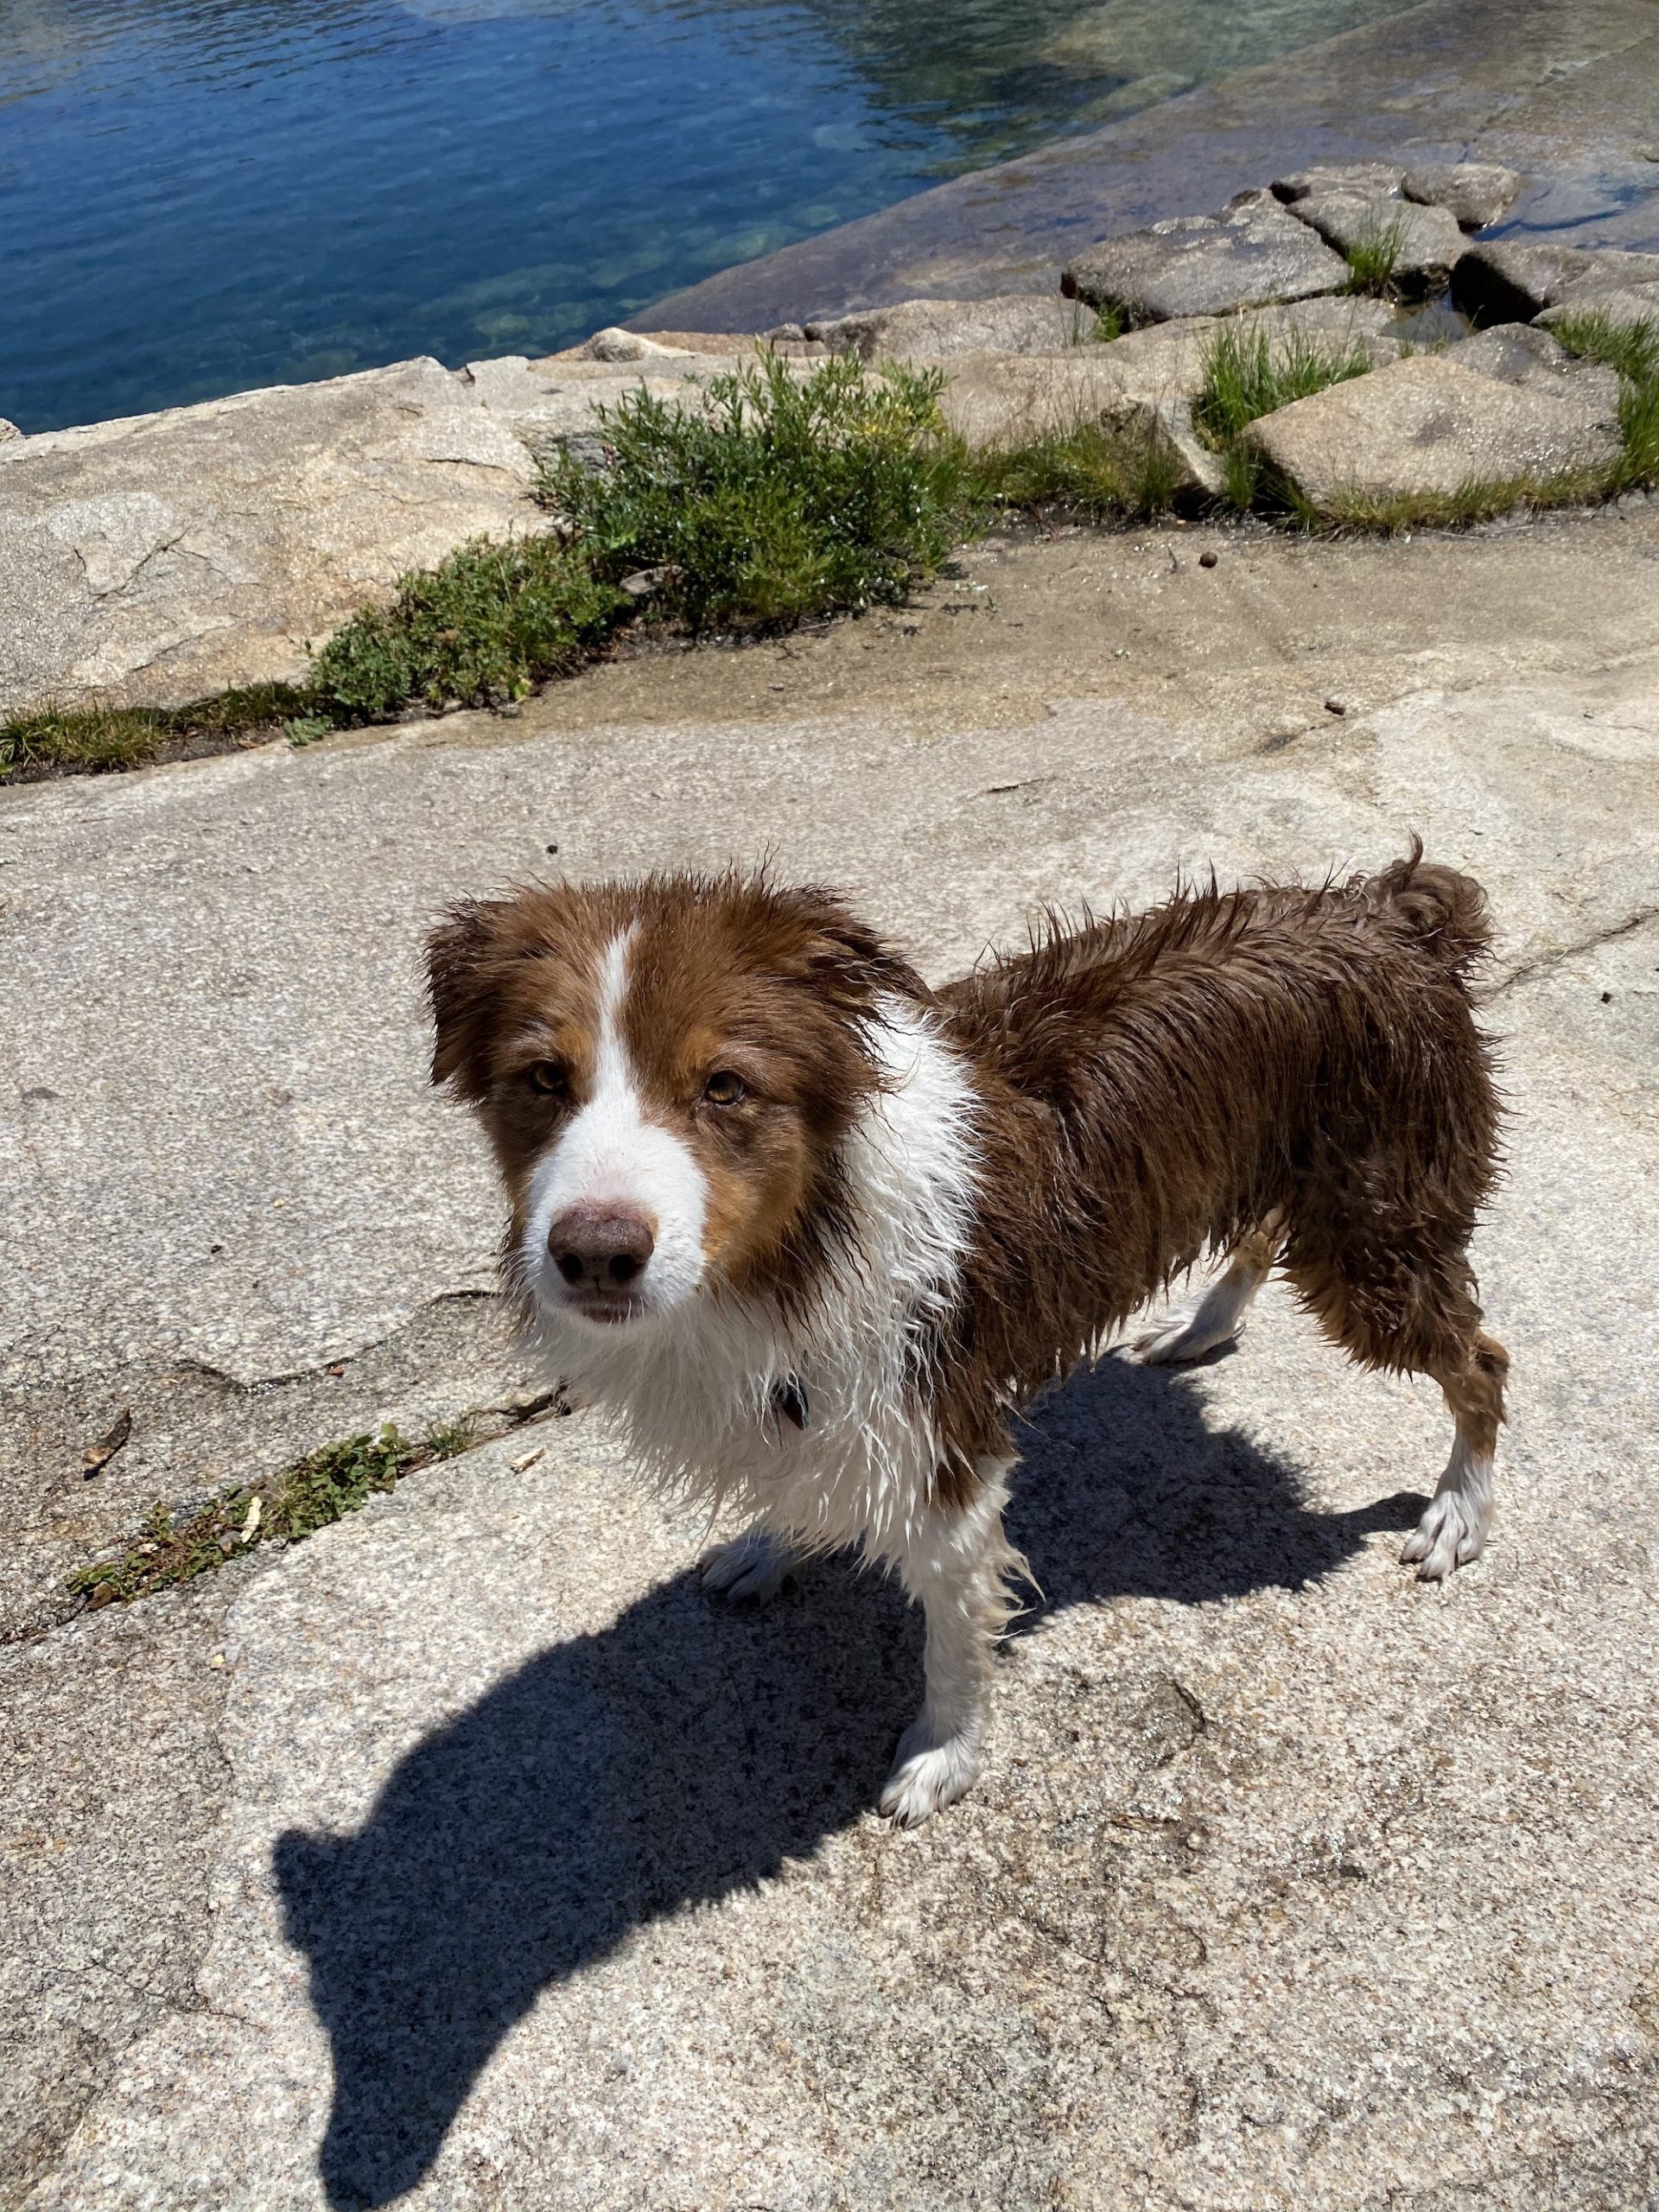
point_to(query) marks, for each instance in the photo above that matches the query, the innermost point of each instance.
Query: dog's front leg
(957, 1564)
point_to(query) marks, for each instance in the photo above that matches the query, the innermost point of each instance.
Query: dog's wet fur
(814, 1231)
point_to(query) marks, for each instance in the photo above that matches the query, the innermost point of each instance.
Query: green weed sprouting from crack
(91, 741)
(1631, 349)
(1373, 258)
(323, 1487)
(1247, 374)
(1090, 471)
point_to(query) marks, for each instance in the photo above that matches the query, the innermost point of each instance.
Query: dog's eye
(549, 1078)
(723, 1088)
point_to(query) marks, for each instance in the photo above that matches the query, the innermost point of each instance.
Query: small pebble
(552, 849)
(1607, 998)
(1336, 706)
(1208, 557)
(218, 1659)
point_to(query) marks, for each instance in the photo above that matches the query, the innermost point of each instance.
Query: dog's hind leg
(753, 1565)
(958, 1565)
(1453, 1529)
(1217, 1317)
(1406, 1302)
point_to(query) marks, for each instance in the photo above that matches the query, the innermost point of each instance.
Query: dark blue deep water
(197, 196)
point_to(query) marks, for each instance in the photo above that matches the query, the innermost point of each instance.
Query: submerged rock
(1426, 241)
(1477, 192)
(1426, 426)
(1015, 322)
(1253, 253)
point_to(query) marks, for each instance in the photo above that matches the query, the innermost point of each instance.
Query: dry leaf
(98, 1456)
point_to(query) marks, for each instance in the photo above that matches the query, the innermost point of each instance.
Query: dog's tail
(1445, 911)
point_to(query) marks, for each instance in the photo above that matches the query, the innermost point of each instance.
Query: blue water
(197, 196)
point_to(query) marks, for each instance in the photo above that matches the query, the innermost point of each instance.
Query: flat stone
(1016, 322)
(1505, 280)
(154, 559)
(1477, 192)
(1625, 307)
(1522, 354)
(1254, 252)
(1427, 239)
(1369, 180)
(616, 344)
(1423, 427)
(1143, 384)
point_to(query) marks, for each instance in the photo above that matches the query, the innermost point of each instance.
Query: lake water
(197, 196)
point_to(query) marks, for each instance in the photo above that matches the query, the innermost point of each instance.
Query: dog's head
(665, 1069)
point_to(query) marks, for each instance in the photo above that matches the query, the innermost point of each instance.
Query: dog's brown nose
(600, 1248)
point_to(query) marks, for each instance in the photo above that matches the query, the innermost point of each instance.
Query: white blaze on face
(611, 1155)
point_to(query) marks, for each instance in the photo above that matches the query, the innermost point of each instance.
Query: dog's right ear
(461, 958)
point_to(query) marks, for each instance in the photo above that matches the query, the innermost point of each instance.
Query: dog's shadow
(688, 1749)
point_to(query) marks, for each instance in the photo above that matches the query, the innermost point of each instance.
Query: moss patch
(320, 1488)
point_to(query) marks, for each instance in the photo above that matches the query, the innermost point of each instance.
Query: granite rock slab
(1369, 180)
(1015, 322)
(1427, 426)
(1477, 192)
(1254, 252)
(154, 559)
(1523, 353)
(1427, 241)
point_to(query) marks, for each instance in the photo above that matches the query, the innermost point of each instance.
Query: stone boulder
(1427, 241)
(1254, 252)
(1425, 427)
(1506, 280)
(1015, 322)
(1143, 386)
(615, 344)
(152, 560)
(1521, 353)
(1477, 192)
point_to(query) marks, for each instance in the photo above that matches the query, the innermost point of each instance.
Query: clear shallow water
(199, 196)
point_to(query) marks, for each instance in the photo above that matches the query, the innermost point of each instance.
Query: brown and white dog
(816, 1232)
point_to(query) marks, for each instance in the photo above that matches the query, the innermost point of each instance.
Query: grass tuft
(323, 1488)
(1109, 323)
(1477, 499)
(1633, 350)
(1374, 256)
(783, 499)
(1095, 473)
(1248, 374)
(483, 627)
(91, 741)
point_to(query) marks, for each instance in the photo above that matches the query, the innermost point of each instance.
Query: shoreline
(1529, 84)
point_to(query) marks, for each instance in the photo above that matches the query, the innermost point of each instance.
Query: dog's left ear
(461, 956)
(842, 956)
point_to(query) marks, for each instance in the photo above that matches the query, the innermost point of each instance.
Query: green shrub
(484, 626)
(784, 497)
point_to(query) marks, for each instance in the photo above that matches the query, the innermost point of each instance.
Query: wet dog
(815, 1232)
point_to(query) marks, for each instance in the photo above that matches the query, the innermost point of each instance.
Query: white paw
(754, 1566)
(927, 1775)
(1451, 1533)
(1186, 1334)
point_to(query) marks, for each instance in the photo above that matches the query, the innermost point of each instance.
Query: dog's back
(1303, 1058)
